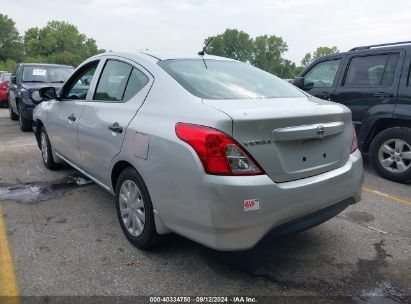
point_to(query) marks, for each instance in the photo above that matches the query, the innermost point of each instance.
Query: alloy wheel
(131, 205)
(395, 155)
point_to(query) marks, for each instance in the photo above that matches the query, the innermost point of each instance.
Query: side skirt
(105, 187)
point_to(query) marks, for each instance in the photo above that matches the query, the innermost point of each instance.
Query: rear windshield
(48, 74)
(220, 79)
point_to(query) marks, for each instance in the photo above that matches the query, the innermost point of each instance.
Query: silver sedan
(206, 147)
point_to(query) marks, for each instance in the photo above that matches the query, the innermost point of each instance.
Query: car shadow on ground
(291, 263)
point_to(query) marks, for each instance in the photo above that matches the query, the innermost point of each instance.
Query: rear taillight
(218, 152)
(354, 144)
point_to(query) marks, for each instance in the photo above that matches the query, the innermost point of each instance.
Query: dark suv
(374, 82)
(25, 82)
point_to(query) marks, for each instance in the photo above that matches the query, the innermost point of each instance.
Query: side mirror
(299, 82)
(48, 93)
(13, 79)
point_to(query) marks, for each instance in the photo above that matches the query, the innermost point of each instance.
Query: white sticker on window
(39, 72)
(251, 204)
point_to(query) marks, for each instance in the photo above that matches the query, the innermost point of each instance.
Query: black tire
(399, 133)
(47, 152)
(149, 236)
(26, 125)
(12, 115)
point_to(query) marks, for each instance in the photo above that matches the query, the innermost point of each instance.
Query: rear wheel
(12, 115)
(25, 124)
(390, 154)
(135, 210)
(46, 150)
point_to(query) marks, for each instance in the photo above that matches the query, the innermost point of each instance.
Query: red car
(4, 89)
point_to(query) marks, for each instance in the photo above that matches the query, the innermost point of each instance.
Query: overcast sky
(182, 25)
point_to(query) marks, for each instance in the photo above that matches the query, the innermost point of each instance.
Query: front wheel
(135, 210)
(390, 154)
(25, 124)
(46, 150)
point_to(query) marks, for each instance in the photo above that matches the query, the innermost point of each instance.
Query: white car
(207, 147)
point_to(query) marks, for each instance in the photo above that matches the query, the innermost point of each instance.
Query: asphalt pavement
(64, 240)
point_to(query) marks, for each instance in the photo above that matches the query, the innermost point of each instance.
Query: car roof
(168, 56)
(159, 56)
(365, 50)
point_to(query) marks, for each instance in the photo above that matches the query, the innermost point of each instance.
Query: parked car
(374, 82)
(25, 82)
(4, 88)
(207, 147)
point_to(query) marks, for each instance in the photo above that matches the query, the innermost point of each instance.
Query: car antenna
(202, 52)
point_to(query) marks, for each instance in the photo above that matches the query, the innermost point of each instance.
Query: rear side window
(136, 82)
(322, 75)
(113, 81)
(372, 71)
(221, 79)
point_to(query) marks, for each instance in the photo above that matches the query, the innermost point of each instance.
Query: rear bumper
(226, 226)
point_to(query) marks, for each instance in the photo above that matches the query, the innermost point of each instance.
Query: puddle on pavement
(31, 193)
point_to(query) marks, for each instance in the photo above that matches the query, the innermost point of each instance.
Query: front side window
(78, 86)
(372, 71)
(46, 74)
(113, 81)
(322, 75)
(221, 79)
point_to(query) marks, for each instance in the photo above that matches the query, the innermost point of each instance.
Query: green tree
(7, 65)
(232, 44)
(318, 53)
(10, 40)
(265, 52)
(58, 42)
(268, 54)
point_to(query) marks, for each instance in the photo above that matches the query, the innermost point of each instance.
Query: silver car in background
(210, 148)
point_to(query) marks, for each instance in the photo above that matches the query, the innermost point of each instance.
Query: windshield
(6, 77)
(49, 74)
(218, 79)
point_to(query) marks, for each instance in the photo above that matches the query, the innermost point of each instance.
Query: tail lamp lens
(219, 153)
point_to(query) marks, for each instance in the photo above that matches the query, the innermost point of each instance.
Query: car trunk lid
(291, 138)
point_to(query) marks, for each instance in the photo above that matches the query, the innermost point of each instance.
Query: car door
(321, 78)
(121, 90)
(403, 106)
(369, 85)
(64, 114)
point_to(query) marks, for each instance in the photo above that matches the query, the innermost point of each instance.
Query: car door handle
(115, 127)
(382, 94)
(71, 117)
